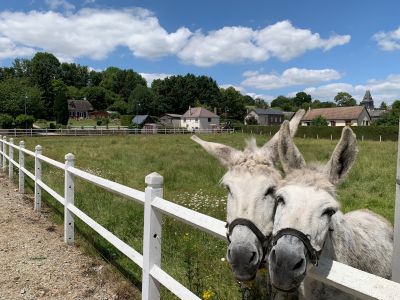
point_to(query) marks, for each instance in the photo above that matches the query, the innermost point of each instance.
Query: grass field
(191, 178)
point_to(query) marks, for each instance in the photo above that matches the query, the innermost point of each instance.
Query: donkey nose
(287, 262)
(243, 260)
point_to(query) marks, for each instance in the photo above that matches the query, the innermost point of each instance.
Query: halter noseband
(312, 252)
(263, 239)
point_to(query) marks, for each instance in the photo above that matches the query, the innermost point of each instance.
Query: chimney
(190, 110)
(215, 110)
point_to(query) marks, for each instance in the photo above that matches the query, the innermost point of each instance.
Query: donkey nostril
(273, 256)
(252, 257)
(229, 254)
(298, 265)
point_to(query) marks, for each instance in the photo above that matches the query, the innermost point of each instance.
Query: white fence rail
(355, 282)
(93, 130)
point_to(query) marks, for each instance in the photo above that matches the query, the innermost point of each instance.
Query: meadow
(191, 179)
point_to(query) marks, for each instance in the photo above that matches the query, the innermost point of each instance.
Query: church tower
(367, 101)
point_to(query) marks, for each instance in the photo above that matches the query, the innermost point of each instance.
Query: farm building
(199, 118)
(140, 120)
(171, 120)
(339, 116)
(79, 108)
(268, 116)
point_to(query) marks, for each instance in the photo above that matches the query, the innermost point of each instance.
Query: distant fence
(374, 133)
(355, 282)
(91, 130)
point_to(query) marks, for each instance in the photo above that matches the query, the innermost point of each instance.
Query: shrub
(52, 126)
(319, 121)
(24, 121)
(251, 120)
(6, 121)
(99, 122)
(126, 120)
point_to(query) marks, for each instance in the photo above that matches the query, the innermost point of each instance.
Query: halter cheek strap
(312, 252)
(263, 239)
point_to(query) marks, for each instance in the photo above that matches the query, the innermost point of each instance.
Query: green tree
(345, 99)
(45, 67)
(142, 101)
(6, 121)
(301, 98)
(16, 94)
(251, 120)
(383, 106)
(319, 121)
(74, 75)
(60, 103)
(232, 104)
(283, 102)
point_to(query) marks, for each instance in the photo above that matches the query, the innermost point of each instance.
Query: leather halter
(312, 252)
(263, 239)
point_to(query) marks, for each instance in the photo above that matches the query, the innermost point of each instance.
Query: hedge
(325, 132)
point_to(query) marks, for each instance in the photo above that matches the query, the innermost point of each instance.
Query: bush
(251, 120)
(6, 121)
(24, 121)
(126, 120)
(52, 126)
(99, 122)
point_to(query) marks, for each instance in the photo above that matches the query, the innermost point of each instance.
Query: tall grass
(191, 179)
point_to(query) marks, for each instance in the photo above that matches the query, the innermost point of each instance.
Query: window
(209, 120)
(348, 123)
(196, 120)
(184, 119)
(333, 123)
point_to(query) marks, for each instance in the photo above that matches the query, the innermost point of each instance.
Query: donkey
(309, 224)
(250, 181)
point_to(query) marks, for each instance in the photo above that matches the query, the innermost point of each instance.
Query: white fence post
(21, 174)
(1, 150)
(151, 237)
(38, 176)
(4, 154)
(11, 156)
(396, 248)
(69, 199)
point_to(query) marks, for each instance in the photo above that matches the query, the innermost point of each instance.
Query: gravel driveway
(36, 264)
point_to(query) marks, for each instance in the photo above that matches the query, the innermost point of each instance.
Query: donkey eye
(329, 212)
(280, 200)
(228, 189)
(270, 191)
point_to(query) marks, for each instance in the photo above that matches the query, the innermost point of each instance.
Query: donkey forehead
(308, 198)
(259, 175)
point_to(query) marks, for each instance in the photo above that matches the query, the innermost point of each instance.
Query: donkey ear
(272, 144)
(289, 154)
(225, 154)
(343, 156)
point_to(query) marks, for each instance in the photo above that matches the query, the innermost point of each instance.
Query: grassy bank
(191, 178)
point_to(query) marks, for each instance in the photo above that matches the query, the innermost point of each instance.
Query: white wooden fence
(93, 130)
(360, 284)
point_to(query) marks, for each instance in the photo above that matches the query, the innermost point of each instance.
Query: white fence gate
(355, 282)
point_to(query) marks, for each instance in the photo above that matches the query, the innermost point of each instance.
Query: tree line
(39, 87)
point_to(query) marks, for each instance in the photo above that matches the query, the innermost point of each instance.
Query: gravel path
(36, 264)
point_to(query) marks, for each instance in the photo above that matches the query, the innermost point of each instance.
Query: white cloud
(150, 77)
(55, 4)
(228, 85)
(290, 77)
(236, 44)
(95, 33)
(9, 49)
(388, 41)
(88, 33)
(387, 89)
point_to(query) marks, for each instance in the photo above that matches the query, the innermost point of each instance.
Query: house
(376, 114)
(79, 109)
(339, 116)
(171, 120)
(140, 120)
(264, 116)
(288, 115)
(199, 118)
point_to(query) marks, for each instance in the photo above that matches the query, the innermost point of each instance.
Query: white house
(339, 116)
(199, 118)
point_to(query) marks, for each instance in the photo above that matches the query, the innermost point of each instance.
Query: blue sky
(263, 48)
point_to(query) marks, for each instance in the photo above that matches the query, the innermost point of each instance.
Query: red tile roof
(334, 113)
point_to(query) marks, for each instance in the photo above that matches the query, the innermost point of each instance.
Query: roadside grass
(191, 179)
